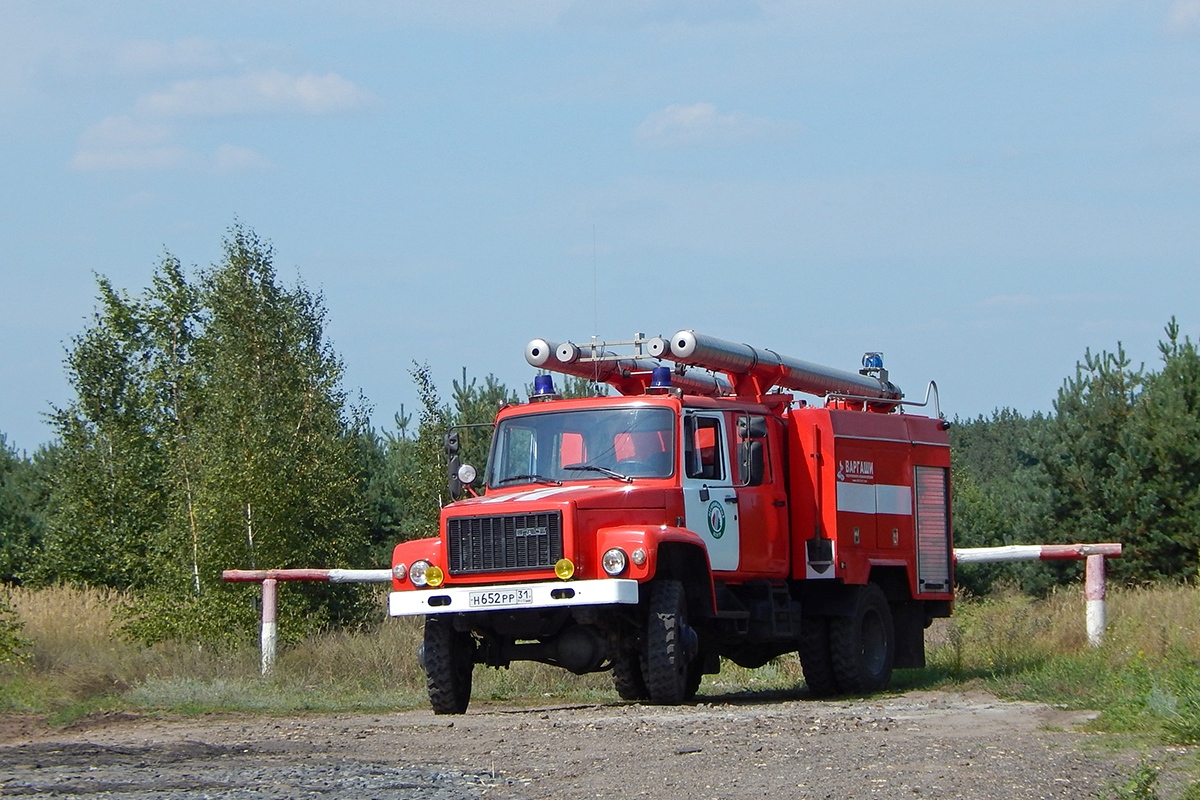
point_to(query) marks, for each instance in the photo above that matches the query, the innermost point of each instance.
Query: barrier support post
(1095, 591)
(269, 578)
(270, 630)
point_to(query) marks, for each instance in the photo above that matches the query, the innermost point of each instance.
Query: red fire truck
(702, 512)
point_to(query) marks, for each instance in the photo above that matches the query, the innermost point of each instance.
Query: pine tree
(23, 498)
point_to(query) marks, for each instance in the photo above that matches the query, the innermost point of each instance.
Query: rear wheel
(863, 645)
(669, 645)
(448, 657)
(815, 659)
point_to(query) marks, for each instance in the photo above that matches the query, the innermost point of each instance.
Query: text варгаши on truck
(700, 513)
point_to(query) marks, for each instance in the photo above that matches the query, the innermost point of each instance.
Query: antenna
(595, 288)
(595, 310)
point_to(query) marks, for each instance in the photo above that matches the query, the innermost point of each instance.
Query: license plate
(502, 597)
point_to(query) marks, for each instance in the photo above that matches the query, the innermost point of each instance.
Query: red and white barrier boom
(1094, 585)
(269, 578)
(1094, 589)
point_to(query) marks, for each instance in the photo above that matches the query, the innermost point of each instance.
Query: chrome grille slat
(504, 543)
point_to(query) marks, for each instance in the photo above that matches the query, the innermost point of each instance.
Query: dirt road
(921, 744)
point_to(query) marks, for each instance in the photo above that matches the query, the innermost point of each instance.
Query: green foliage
(209, 432)
(1082, 446)
(995, 495)
(1118, 460)
(573, 386)
(409, 478)
(13, 646)
(1156, 470)
(108, 494)
(476, 406)
(424, 483)
(24, 488)
(1141, 785)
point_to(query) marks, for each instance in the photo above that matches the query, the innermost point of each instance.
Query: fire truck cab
(701, 513)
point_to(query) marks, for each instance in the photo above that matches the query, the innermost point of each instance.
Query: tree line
(1118, 459)
(209, 429)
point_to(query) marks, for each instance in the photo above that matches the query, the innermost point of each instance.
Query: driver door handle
(731, 499)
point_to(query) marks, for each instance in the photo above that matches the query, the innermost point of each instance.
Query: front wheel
(862, 646)
(448, 657)
(627, 677)
(670, 644)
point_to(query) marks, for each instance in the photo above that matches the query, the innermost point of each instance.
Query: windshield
(590, 444)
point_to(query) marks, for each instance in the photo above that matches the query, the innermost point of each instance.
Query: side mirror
(752, 462)
(453, 482)
(752, 427)
(459, 476)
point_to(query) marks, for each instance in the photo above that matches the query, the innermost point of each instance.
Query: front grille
(504, 543)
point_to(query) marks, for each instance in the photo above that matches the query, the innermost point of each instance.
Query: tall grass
(78, 661)
(1146, 677)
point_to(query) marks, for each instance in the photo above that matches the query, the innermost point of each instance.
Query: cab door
(710, 499)
(762, 498)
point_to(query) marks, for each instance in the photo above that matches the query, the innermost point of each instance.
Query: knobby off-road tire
(627, 677)
(665, 661)
(449, 658)
(695, 676)
(863, 646)
(816, 662)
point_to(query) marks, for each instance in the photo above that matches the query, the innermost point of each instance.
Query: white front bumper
(556, 594)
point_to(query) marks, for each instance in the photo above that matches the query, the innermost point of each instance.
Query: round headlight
(564, 569)
(614, 562)
(434, 576)
(638, 556)
(400, 571)
(416, 573)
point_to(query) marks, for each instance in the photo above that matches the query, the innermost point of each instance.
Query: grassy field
(1145, 679)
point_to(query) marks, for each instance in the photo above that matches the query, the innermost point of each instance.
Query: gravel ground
(920, 744)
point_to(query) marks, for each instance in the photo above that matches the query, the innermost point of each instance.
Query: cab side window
(703, 448)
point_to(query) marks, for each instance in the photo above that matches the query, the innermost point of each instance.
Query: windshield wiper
(529, 477)
(612, 473)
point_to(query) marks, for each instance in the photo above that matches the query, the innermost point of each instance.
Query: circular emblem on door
(716, 519)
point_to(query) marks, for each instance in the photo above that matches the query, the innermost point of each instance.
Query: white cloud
(700, 123)
(145, 140)
(1184, 17)
(128, 143)
(271, 91)
(121, 143)
(124, 131)
(131, 158)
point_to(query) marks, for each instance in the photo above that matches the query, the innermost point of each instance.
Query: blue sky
(979, 190)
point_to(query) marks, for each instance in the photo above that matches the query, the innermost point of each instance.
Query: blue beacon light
(660, 379)
(543, 387)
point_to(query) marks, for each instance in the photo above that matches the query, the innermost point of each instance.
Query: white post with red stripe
(269, 578)
(1094, 589)
(270, 628)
